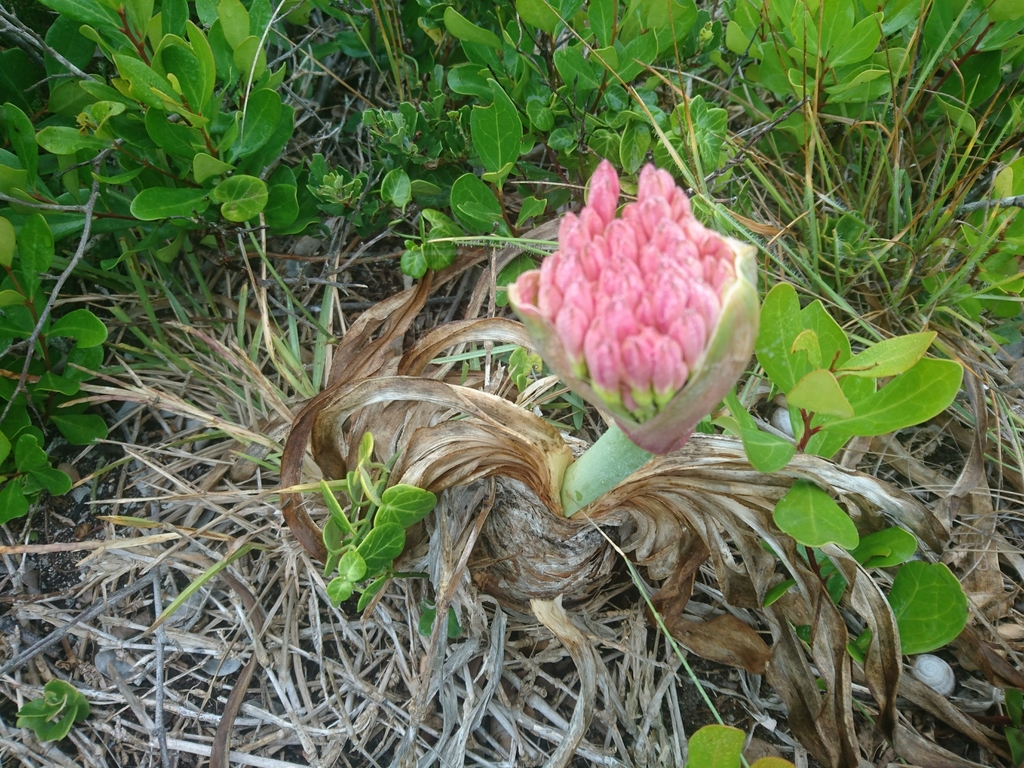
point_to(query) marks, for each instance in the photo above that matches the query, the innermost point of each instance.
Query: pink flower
(649, 315)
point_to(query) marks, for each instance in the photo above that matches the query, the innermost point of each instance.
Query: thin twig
(160, 729)
(1017, 201)
(13, 24)
(45, 314)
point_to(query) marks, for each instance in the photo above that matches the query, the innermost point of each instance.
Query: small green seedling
(363, 544)
(52, 716)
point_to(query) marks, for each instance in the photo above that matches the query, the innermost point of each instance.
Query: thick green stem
(609, 461)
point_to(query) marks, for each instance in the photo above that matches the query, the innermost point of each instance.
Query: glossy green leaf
(35, 251)
(10, 297)
(352, 566)
(601, 14)
(85, 11)
(541, 117)
(885, 548)
(5, 447)
(921, 393)
(765, 451)
(633, 145)
(370, 592)
(807, 342)
(8, 242)
(61, 140)
(282, 206)
(241, 197)
(250, 58)
(53, 715)
(857, 44)
(339, 589)
(404, 505)
(890, 357)
(381, 546)
(474, 205)
(716, 746)
(780, 324)
(531, 207)
(51, 382)
(396, 188)
(53, 480)
(155, 203)
(575, 71)
(262, 113)
(22, 136)
(206, 167)
(497, 132)
(819, 392)
(462, 28)
(234, 21)
(810, 516)
(638, 52)
(80, 428)
(28, 454)
(413, 263)
(13, 503)
(539, 13)
(833, 344)
(146, 85)
(930, 606)
(81, 325)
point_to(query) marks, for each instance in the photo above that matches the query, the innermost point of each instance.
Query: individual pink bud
(655, 184)
(572, 325)
(690, 333)
(669, 368)
(604, 363)
(680, 204)
(591, 224)
(570, 238)
(621, 239)
(603, 192)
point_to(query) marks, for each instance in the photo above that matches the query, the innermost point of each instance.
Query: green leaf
(9, 298)
(234, 21)
(13, 503)
(809, 515)
(601, 14)
(462, 28)
(5, 447)
(858, 43)
(413, 263)
(80, 428)
(155, 203)
(81, 325)
(146, 85)
(352, 567)
(404, 505)
(766, 452)
(921, 393)
(282, 205)
(832, 342)
(474, 205)
(35, 248)
(930, 606)
(539, 13)
(8, 242)
(59, 698)
(531, 207)
(250, 59)
(497, 132)
(176, 139)
(807, 342)
(639, 51)
(716, 746)
(541, 117)
(53, 480)
(206, 166)
(85, 11)
(381, 546)
(27, 453)
(51, 382)
(575, 71)
(262, 113)
(371, 591)
(396, 188)
(61, 140)
(23, 139)
(885, 548)
(890, 357)
(241, 197)
(779, 327)
(819, 392)
(339, 589)
(633, 145)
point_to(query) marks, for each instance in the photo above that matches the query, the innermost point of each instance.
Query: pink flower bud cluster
(633, 299)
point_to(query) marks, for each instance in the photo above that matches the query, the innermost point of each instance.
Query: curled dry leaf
(704, 498)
